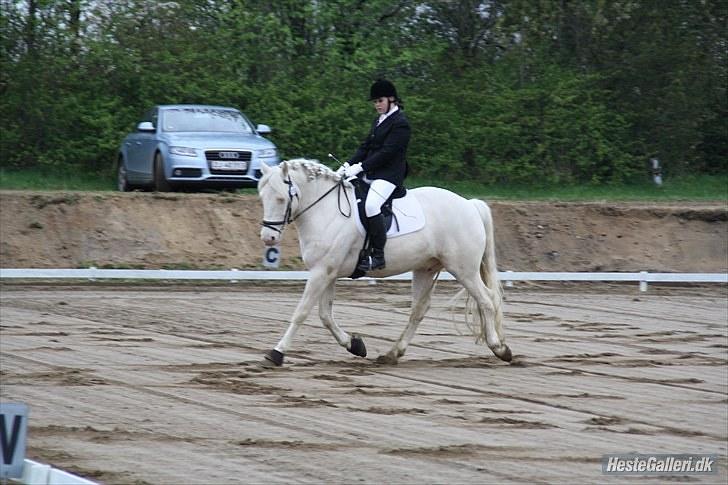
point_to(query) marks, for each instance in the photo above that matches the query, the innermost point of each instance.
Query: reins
(293, 192)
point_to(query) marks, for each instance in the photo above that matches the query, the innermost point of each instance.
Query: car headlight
(267, 153)
(184, 151)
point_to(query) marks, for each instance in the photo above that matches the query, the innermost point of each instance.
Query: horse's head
(280, 198)
(283, 189)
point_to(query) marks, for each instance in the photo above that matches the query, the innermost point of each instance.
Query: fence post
(643, 281)
(509, 282)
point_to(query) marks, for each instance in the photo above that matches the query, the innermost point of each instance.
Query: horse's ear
(284, 169)
(264, 168)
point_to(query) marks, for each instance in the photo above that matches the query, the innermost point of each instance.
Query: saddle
(361, 189)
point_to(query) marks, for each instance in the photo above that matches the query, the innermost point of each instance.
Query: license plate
(228, 165)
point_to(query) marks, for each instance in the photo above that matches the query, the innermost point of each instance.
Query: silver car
(194, 145)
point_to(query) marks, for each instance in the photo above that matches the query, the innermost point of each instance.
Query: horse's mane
(312, 168)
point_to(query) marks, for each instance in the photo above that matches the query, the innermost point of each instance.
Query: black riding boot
(378, 237)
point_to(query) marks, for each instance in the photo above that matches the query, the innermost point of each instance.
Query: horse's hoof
(505, 355)
(357, 347)
(387, 359)
(272, 358)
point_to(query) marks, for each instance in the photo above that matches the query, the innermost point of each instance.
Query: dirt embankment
(221, 231)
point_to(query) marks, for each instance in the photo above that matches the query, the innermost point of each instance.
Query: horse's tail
(489, 275)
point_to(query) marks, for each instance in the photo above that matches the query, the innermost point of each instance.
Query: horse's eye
(280, 200)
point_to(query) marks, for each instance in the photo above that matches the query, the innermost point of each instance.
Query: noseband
(293, 192)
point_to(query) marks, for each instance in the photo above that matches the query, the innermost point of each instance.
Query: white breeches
(379, 192)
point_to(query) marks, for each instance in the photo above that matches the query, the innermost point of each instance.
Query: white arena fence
(35, 473)
(234, 275)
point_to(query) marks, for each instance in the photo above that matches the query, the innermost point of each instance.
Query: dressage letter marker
(271, 257)
(13, 431)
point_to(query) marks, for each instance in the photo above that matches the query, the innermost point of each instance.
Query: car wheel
(160, 180)
(122, 183)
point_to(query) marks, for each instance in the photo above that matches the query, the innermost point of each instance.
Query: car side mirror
(263, 129)
(146, 126)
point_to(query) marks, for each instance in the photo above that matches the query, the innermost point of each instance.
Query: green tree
(555, 91)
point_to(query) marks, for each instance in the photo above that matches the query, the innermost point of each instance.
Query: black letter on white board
(8, 445)
(271, 255)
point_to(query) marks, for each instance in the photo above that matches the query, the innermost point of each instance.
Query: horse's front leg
(318, 282)
(352, 343)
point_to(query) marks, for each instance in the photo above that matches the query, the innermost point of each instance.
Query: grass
(701, 187)
(37, 179)
(698, 187)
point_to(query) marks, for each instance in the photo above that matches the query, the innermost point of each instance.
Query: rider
(381, 157)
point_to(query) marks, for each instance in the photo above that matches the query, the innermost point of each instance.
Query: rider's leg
(379, 192)
(378, 237)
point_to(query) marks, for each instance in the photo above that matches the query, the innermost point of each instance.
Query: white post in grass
(656, 172)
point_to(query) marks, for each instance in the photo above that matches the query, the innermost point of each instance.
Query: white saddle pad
(407, 213)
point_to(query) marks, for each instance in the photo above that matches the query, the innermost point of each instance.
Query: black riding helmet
(382, 89)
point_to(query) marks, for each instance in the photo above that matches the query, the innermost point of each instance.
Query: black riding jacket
(383, 153)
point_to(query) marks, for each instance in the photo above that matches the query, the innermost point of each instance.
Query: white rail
(35, 473)
(233, 275)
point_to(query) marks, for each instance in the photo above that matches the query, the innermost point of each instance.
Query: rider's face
(381, 105)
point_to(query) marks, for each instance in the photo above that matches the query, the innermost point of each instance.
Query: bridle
(293, 192)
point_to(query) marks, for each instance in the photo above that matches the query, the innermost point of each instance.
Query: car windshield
(205, 119)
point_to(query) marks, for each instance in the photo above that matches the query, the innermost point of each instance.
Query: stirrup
(364, 263)
(370, 263)
(376, 263)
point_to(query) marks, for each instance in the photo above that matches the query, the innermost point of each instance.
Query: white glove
(353, 170)
(342, 170)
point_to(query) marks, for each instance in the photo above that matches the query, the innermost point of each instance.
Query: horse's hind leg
(423, 282)
(486, 314)
(353, 344)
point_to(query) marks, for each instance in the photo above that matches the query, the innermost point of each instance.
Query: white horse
(457, 237)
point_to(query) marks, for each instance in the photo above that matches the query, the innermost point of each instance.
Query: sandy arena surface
(161, 384)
